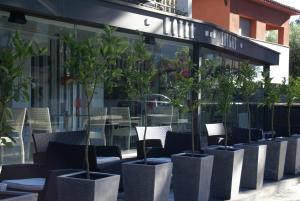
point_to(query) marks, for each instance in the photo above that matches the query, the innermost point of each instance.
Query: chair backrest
(120, 115)
(18, 119)
(215, 129)
(241, 135)
(41, 140)
(98, 119)
(166, 115)
(178, 142)
(153, 132)
(39, 120)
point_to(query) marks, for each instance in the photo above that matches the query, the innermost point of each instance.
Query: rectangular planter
(192, 176)
(227, 170)
(18, 196)
(146, 182)
(292, 161)
(253, 165)
(75, 187)
(275, 159)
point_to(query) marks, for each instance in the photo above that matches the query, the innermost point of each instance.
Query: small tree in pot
(138, 75)
(247, 88)
(92, 62)
(226, 173)
(276, 151)
(291, 91)
(14, 84)
(271, 96)
(190, 183)
(254, 154)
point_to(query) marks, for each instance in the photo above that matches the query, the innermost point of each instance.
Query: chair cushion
(159, 160)
(101, 160)
(31, 184)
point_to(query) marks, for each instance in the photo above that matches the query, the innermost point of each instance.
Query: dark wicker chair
(176, 142)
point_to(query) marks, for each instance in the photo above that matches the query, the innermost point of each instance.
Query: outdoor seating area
(149, 100)
(63, 153)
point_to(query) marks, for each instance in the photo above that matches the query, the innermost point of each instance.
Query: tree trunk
(249, 121)
(193, 134)
(145, 132)
(289, 120)
(272, 122)
(87, 141)
(225, 128)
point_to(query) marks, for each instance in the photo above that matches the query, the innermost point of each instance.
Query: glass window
(245, 27)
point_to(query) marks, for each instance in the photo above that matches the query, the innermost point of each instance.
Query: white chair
(39, 120)
(98, 121)
(216, 129)
(161, 116)
(120, 119)
(153, 132)
(17, 123)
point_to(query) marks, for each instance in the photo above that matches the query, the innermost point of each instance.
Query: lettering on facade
(226, 40)
(178, 28)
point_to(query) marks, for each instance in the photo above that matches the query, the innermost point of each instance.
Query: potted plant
(143, 179)
(92, 62)
(276, 148)
(254, 153)
(191, 184)
(228, 161)
(291, 91)
(14, 86)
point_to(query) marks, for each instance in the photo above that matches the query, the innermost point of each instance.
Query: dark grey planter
(275, 159)
(75, 187)
(253, 165)
(149, 182)
(292, 160)
(18, 196)
(227, 170)
(192, 176)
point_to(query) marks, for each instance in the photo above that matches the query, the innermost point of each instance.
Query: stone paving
(286, 190)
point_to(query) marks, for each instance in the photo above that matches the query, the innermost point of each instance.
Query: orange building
(250, 18)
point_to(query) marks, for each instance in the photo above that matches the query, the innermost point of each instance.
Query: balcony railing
(162, 5)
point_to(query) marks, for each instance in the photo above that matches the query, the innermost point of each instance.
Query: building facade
(254, 19)
(167, 29)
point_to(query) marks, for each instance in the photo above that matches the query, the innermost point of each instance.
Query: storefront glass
(51, 87)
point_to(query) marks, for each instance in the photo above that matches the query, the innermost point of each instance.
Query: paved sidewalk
(287, 189)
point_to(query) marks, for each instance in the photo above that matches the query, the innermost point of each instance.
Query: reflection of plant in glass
(14, 85)
(94, 61)
(138, 75)
(271, 96)
(188, 80)
(291, 91)
(247, 87)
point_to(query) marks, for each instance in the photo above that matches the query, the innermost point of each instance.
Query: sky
(293, 3)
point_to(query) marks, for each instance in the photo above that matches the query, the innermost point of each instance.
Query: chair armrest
(108, 151)
(22, 171)
(50, 190)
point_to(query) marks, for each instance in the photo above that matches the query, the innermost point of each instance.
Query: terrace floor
(287, 189)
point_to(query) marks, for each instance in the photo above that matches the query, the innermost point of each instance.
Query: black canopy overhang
(131, 18)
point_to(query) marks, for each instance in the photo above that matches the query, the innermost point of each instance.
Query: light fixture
(17, 17)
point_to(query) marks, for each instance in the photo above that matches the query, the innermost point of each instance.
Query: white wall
(185, 6)
(278, 73)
